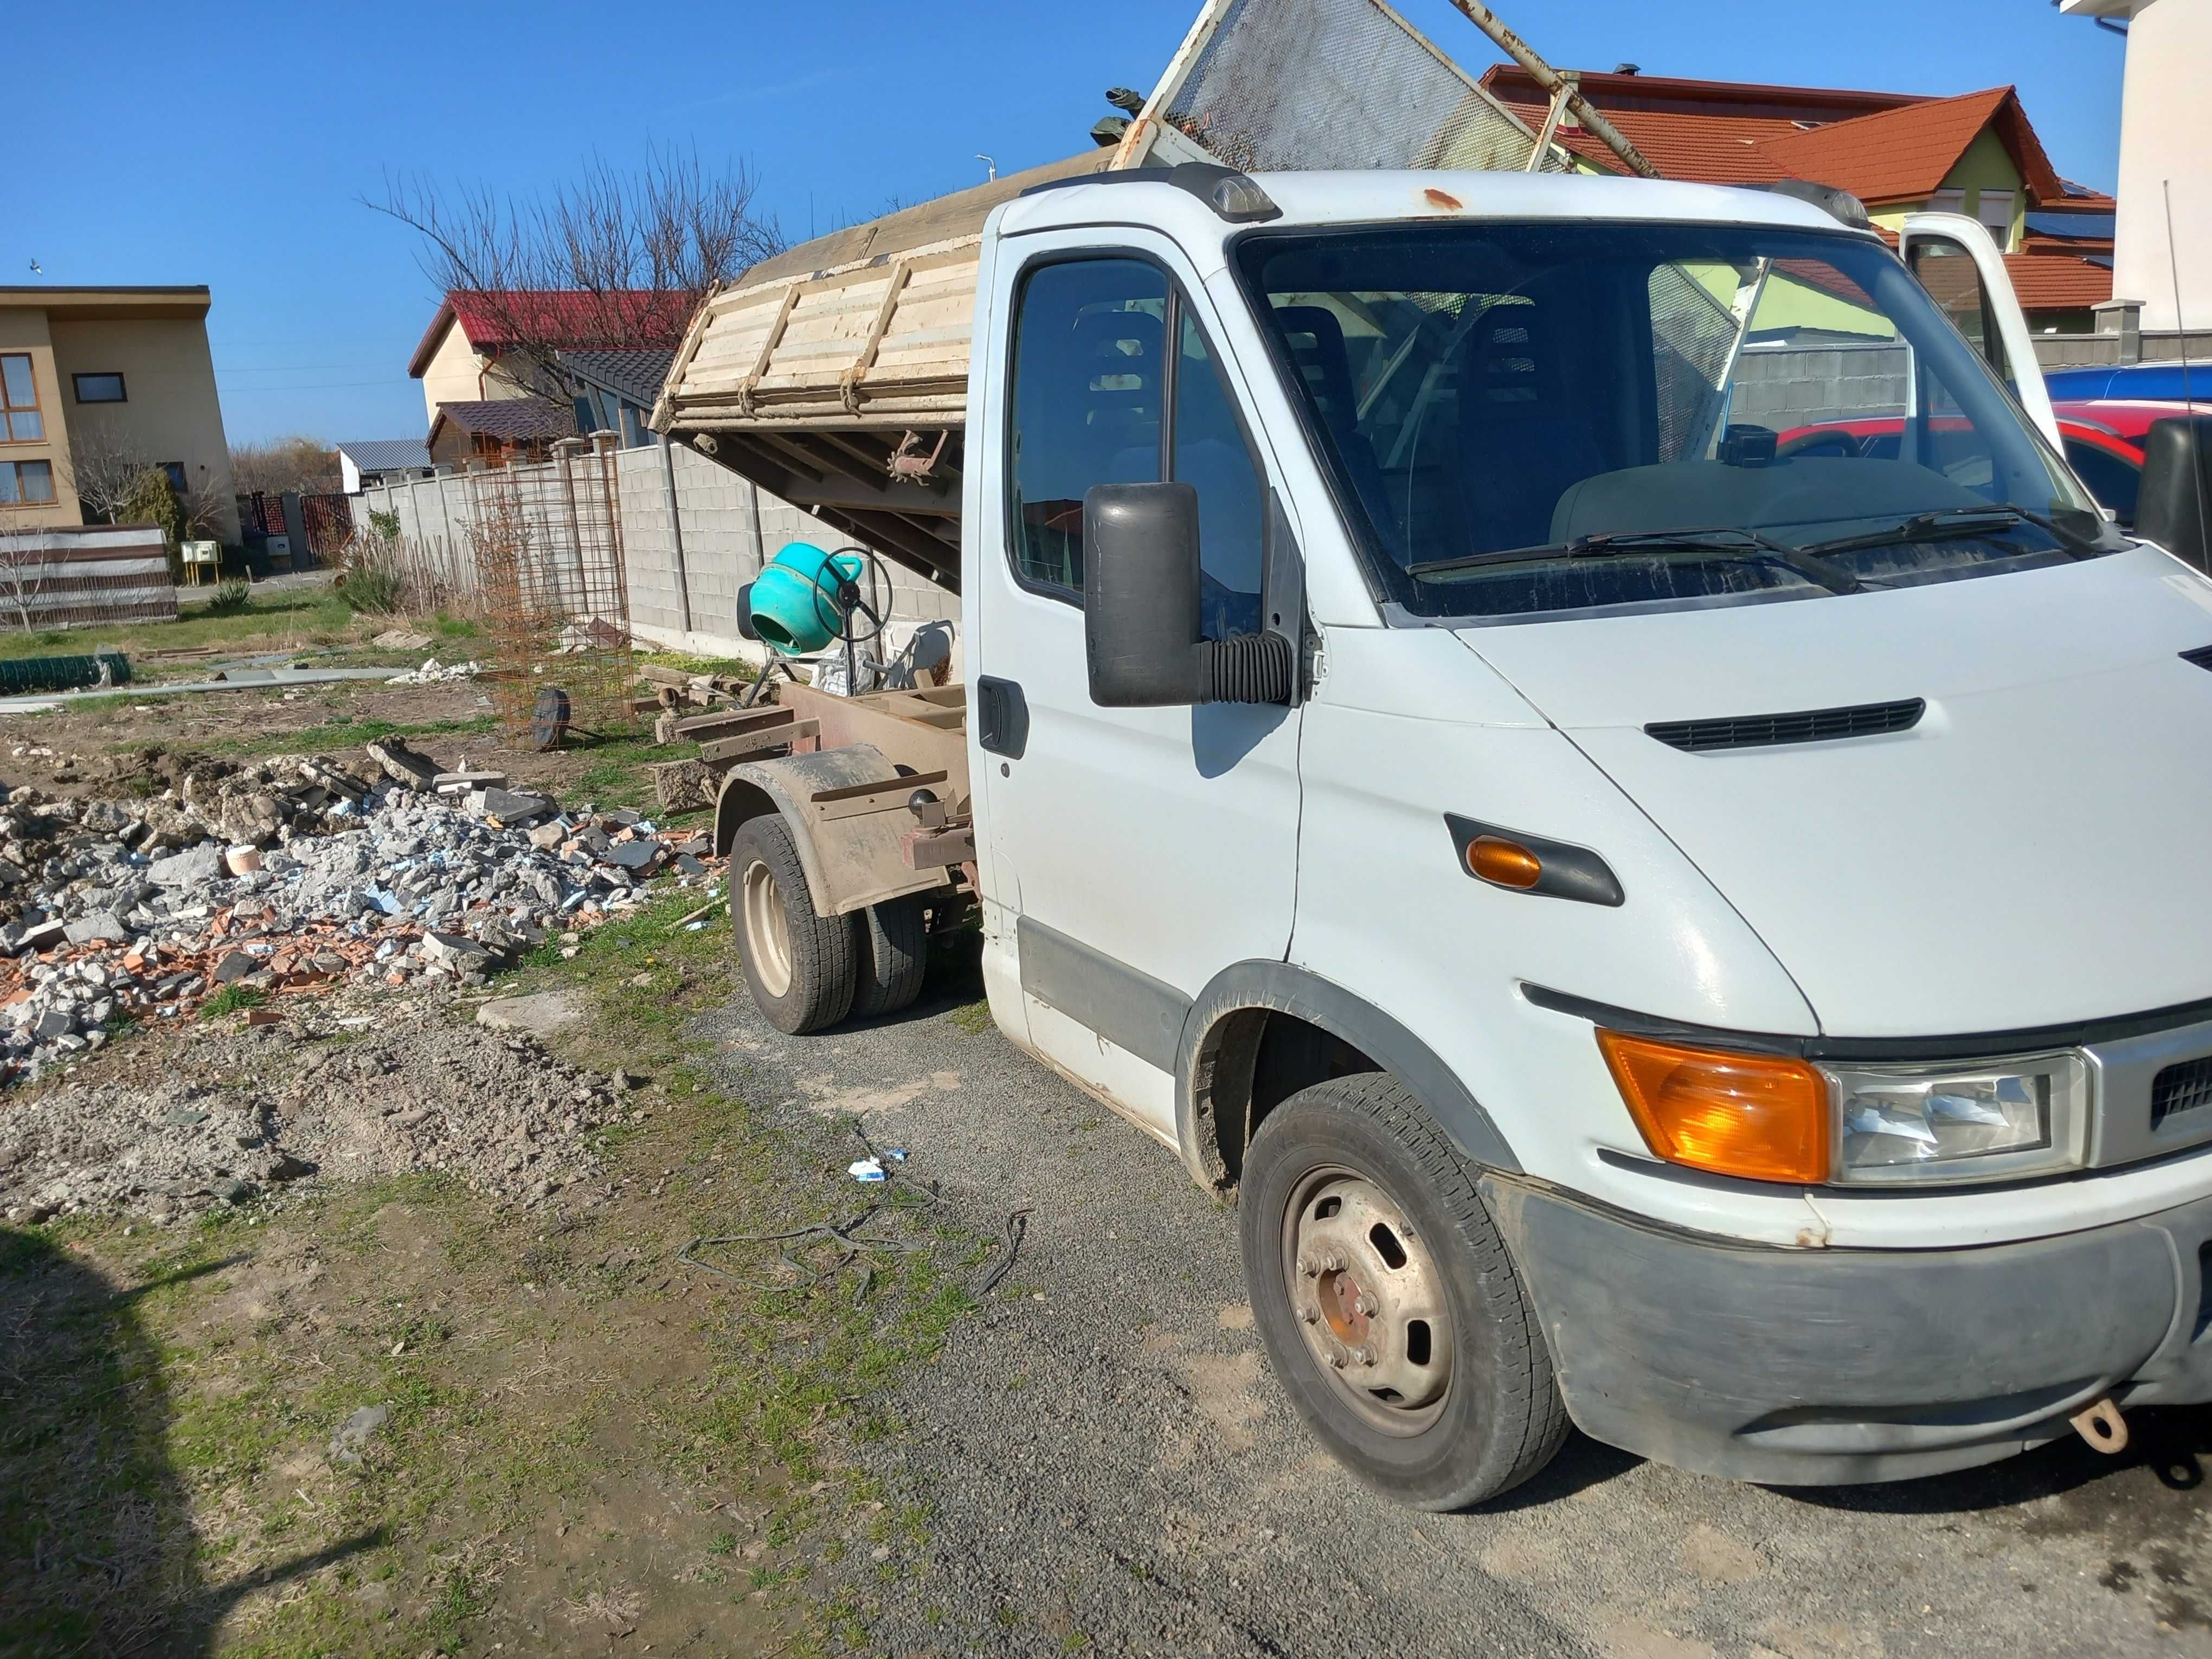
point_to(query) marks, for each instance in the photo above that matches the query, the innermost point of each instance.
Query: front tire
(801, 967)
(1386, 1299)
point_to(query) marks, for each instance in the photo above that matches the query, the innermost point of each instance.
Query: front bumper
(1817, 1367)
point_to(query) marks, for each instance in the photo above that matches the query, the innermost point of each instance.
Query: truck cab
(1652, 931)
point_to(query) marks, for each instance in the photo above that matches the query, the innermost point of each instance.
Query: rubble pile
(434, 673)
(402, 1093)
(294, 874)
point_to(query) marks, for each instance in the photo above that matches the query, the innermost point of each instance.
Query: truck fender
(844, 868)
(1282, 987)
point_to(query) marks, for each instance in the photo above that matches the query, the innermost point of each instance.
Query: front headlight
(1776, 1117)
(1998, 1121)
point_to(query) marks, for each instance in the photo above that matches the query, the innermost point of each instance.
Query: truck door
(1959, 264)
(1138, 850)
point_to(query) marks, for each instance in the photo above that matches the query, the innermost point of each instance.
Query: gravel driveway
(1108, 1461)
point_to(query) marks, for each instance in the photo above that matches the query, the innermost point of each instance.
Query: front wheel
(1389, 1306)
(802, 967)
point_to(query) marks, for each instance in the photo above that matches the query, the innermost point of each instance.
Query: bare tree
(307, 465)
(613, 260)
(107, 471)
(25, 564)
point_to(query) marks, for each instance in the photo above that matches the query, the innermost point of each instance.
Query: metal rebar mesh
(1338, 83)
(548, 545)
(1693, 340)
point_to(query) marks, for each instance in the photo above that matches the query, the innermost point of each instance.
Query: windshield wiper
(1950, 522)
(1747, 546)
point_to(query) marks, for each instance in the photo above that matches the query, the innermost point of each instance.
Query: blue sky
(229, 144)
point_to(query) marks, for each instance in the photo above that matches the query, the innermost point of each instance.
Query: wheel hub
(1369, 1298)
(768, 932)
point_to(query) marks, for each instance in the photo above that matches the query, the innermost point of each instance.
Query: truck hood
(2032, 852)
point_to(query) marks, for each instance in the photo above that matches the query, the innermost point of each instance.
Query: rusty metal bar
(1555, 83)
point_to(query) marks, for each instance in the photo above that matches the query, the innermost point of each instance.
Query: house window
(1948, 201)
(98, 388)
(19, 402)
(176, 472)
(26, 484)
(1995, 211)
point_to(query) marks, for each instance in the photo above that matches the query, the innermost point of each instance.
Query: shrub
(365, 589)
(384, 524)
(230, 597)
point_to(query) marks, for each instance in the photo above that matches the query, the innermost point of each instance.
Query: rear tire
(1389, 1306)
(802, 969)
(894, 957)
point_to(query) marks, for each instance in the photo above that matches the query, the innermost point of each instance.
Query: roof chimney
(1626, 69)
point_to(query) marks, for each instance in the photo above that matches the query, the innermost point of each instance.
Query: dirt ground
(443, 1385)
(408, 1414)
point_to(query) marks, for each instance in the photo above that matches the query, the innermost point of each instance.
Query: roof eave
(433, 337)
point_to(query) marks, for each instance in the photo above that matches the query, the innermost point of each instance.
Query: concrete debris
(354, 1434)
(296, 1109)
(401, 639)
(353, 879)
(434, 673)
(403, 765)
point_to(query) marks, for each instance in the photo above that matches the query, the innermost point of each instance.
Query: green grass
(973, 1019)
(617, 774)
(684, 663)
(232, 999)
(272, 623)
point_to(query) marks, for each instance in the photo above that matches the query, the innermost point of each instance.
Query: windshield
(1524, 419)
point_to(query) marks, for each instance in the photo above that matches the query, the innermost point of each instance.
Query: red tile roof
(2057, 282)
(498, 321)
(1905, 154)
(1881, 147)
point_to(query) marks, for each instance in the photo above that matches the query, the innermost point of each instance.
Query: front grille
(1864, 719)
(2179, 1088)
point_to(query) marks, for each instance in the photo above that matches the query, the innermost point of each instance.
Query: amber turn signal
(1763, 1117)
(1507, 863)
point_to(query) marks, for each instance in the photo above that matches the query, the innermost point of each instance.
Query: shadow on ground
(97, 1553)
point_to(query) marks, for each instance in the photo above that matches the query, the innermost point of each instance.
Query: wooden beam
(753, 743)
(725, 724)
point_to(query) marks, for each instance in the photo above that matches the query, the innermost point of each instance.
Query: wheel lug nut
(1365, 1306)
(1308, 1267)
(1364, 1355)
(1336, 1361)
(1309, 1317)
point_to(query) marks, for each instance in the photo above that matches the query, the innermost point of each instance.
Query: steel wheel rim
(1368, 1300)
(767, 931)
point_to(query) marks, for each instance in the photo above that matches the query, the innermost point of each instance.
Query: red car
(2103, 440)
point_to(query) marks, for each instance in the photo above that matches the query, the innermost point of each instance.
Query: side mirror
(2170, 506)
(1140, 609)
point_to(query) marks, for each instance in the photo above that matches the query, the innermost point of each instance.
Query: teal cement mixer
(801, 602)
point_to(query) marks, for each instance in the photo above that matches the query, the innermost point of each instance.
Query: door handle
(1002, 717)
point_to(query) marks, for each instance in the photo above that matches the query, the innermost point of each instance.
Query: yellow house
(97, 383)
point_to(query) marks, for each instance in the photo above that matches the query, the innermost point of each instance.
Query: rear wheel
(894, 956)
(802, 969)
(1386, 1301)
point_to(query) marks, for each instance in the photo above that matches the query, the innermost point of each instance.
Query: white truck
(1569, 742)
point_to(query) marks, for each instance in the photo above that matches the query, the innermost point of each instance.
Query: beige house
(490, 347)
(92, 378)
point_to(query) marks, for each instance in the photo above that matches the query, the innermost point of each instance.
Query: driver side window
(1092, 381)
